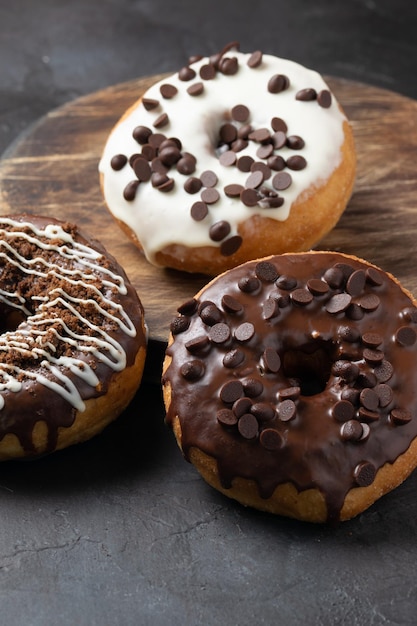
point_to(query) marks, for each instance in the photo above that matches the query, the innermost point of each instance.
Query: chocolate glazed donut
(291, 384)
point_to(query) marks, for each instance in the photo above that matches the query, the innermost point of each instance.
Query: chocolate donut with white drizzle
(73, 340)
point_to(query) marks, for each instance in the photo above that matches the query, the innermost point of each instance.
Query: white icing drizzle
(162, 218)
(29, 338)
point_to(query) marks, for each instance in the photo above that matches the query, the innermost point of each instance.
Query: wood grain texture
(53, 170)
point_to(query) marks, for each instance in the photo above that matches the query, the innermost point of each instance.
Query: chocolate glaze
(107, 285)
(321, 343)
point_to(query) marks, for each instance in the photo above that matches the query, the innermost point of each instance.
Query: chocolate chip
(249, 197)
(255, 59)
(168, 91)
(343, 411)
(228, 133)
(142, 169)
(260, 135)
(348, 333)
(129, 192)
(161, 121)
(270, 439)
(118, 162)
(209, 178)
(166, 186)
(231, 391)
(286, 410)
(210, 313)
(410, 314)
(248, 426)
(254, 180)
(286, 282)
(179, 324)
(149, 152)
(351, 430)
(372, 340)
(229, 66)
(367, 415)
(266, 271)
(366, 379)
(199, 211)
(192, 185)
(244, 163)
(384, 393)
(296, 162)
(219, 333)
(306, 95)
(354, 312)
(364, 474)
(324, 98)
(270, 308)
(265, 151)
(240, 113)
(400, 416)
(186, 73)
(373, 356)
(188, 307)
(351, 395)
(150, 103)
(249, 284)
(226, 417)
(289, 393)
(279, 140)
(271, 359)
(259, 166)
(207, 71)
(244, 332)
(198, 345)
(244, 131)
(231, 304)
(295, 142)
(242, 406)
(338, 303)
(233, 190)
(384, 371)
(317, 287)
(281, 181)
(239, 144)
(374, 277)
(228, 158)
(347, 370)
(253, 387)
(365, 431)
(369, 399)
(276, 163)
(196, 89)
(263, 411)
(356, 283)
(156, 140)
(278, 124)
(278, 83)
(302, 296)
(141, 134)
(405, 336)
(192, 370)
(219, 230)
(231, 245)
(334, 277)
(210, 195)
(169, 155)
(369, 302)
(186, 165)
(233, 358)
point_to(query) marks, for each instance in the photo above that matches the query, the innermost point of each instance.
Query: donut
(73, 340)
(234, 157)
(290, 383)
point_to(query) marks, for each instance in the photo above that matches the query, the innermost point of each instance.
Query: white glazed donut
(260, 160)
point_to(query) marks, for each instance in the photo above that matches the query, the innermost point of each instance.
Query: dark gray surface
(121, 530)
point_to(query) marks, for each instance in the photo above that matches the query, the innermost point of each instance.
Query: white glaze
(159, 219)
(87, 266)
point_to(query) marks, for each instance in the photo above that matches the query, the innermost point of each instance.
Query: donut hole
(310, 365)
(10, 319)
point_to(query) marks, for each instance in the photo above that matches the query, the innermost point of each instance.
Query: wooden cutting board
(52, 170)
